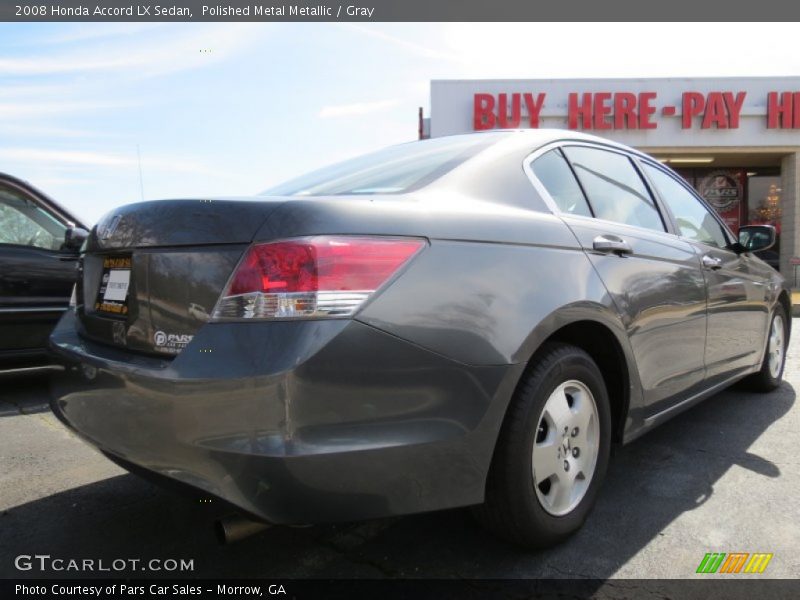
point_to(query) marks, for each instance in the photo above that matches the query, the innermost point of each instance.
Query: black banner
(400, 11)
(417, 589)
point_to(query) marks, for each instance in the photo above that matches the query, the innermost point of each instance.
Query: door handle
(611, 244)
(712, 262)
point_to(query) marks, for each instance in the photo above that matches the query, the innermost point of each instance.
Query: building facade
(736, 140)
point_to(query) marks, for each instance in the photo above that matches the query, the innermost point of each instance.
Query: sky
(230, 109)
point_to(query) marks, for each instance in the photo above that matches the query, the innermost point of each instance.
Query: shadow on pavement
(25, 391)
(650, 483)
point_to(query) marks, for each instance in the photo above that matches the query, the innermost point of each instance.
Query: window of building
(764, 198)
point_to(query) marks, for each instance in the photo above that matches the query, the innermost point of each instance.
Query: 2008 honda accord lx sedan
(465, 321)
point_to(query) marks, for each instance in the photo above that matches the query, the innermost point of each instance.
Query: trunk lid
(181, 223)
(153, 271)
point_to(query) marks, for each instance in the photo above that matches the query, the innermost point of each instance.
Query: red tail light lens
(322, 276)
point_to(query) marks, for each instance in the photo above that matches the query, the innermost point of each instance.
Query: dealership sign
(625, 110)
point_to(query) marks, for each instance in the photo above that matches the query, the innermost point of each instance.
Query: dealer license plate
(112, 297)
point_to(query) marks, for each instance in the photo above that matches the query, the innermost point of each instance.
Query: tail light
(321, 276)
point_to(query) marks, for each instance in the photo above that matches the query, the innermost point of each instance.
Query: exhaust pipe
(234, 528)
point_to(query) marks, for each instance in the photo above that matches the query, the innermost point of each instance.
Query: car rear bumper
(293, 422)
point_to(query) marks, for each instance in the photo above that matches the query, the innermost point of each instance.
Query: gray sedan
(465, 321)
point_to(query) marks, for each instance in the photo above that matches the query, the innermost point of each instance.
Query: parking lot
(723, 476)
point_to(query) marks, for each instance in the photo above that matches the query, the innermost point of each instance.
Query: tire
(769, 377)
(527, 506)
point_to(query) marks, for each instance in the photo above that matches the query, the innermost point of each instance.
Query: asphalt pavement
(721, 477)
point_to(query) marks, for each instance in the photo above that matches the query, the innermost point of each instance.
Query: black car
(39, 243)
(471, 320)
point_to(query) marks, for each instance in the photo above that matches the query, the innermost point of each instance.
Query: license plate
(112, 297)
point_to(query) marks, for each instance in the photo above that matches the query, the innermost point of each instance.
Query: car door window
(693, 219)
(553, 171)
(23, 222)
(614, 188)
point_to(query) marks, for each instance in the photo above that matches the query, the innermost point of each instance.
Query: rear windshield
(393, 170)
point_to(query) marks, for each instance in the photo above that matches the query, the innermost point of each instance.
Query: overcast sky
(229, 109)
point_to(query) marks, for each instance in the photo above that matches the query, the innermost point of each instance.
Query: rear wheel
(552, 453)
(771, 373)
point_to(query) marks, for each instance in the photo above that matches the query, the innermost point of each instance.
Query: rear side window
(614, 187)
(693, 219)
(552, 170)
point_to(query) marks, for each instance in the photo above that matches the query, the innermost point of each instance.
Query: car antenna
(141, 181)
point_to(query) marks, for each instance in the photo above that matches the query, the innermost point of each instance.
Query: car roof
(520, 139)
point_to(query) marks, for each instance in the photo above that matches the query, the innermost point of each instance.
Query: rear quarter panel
(494, 283)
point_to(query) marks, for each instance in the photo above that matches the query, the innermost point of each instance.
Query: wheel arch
(602, 345)
(600, 333)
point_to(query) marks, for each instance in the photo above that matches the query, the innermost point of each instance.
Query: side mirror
(753, 238)
(74, 238)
